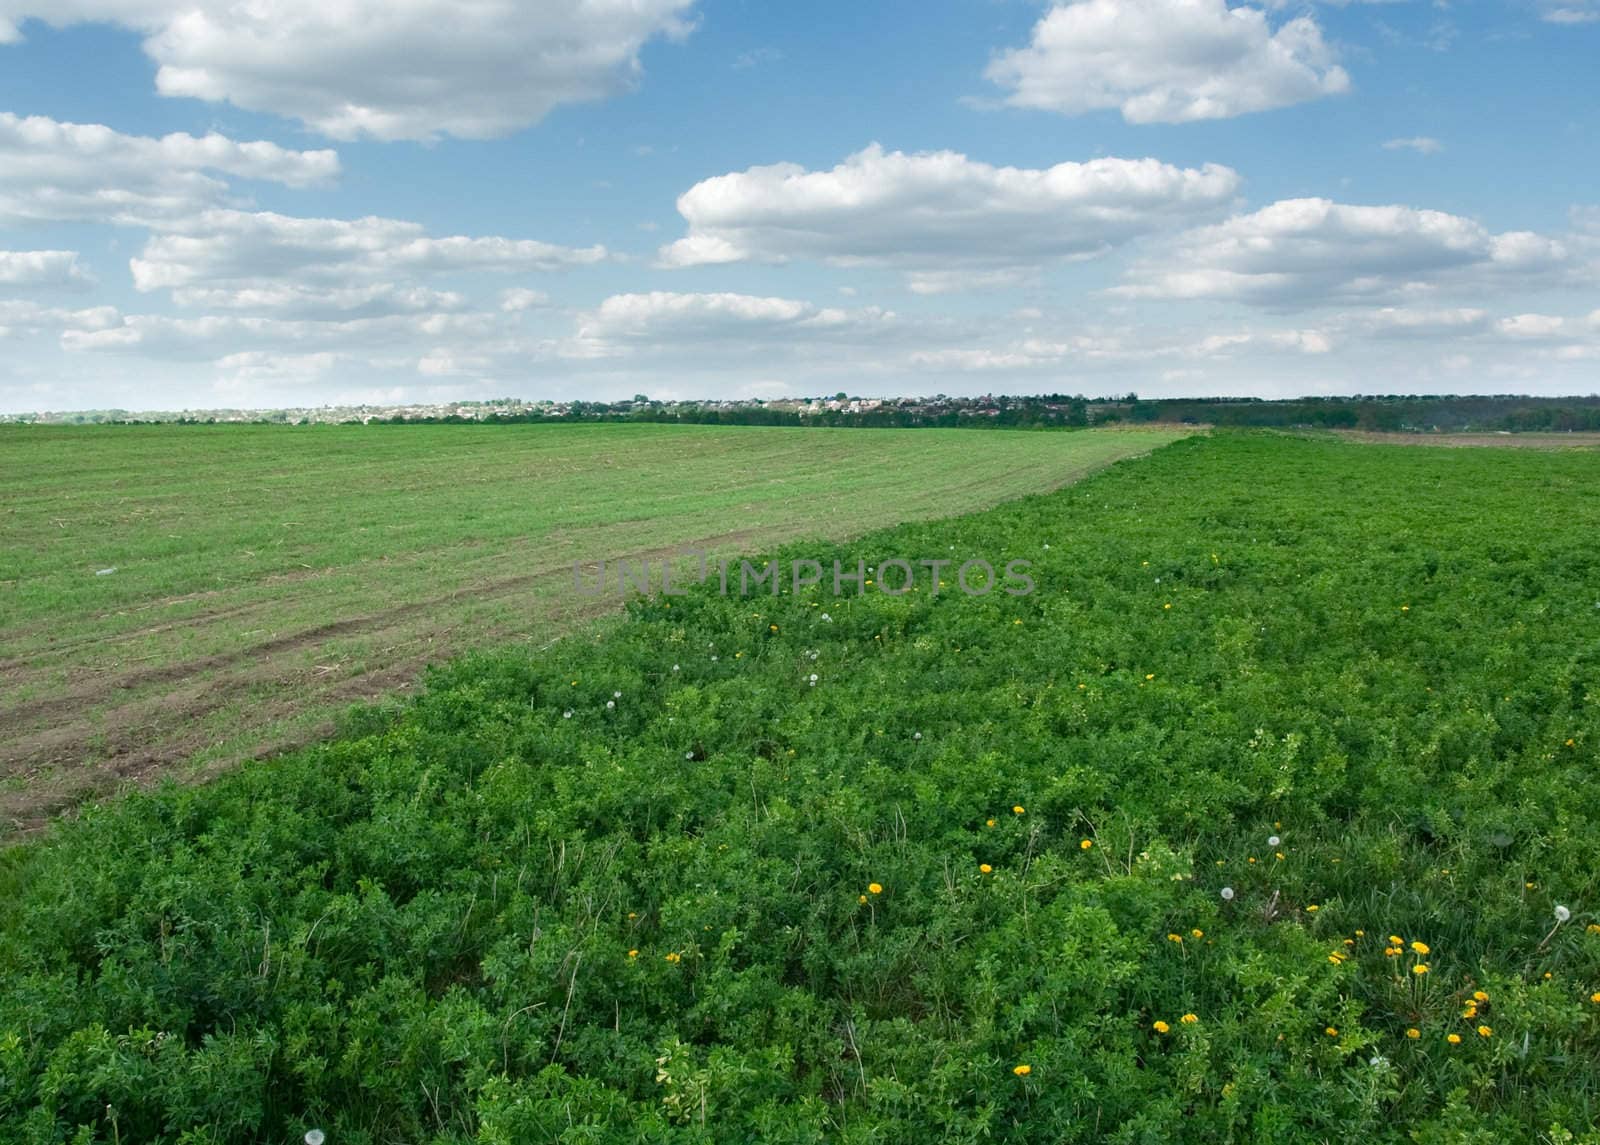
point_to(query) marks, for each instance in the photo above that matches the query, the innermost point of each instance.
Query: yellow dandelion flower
(1421, 948)
(633, 954)
(1150, 676)
(861, 898)
(1593, 928)
(1391, 952)
(1198, 933)
(1361, 934)
(1189, 1019)
(1313, 908)
(1396, 940)
(674, 957)
(989, 822)
(1479, 996)
(1485, 1031)
(1019, 809)
(1595, 997)
(1160, 1027)
(985, 868)
(1453, 1039)
(772, 628)
(1167, 606)
(1420, 968)
(1022, 1070)
(875, 888)
(1413, 1033)
(1332, 1031)
(1085, 844)
(1174, 938)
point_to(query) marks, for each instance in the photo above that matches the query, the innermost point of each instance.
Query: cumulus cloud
(1421, 144)
(52, 171)
(1581, 12)
(933, 212)
(1167, 61)
(293, 300)
(1304, 251)
(243, 250)
(27, 317)
(210, 336)
(374, 68)
(42, 269)
(1531, 326)
(1411, 322)
(661, 319)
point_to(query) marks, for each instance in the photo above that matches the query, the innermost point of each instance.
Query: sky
(269, 203)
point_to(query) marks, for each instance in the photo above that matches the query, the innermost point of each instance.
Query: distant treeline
(1405, 414)
(1391, 413)
(1394, 413)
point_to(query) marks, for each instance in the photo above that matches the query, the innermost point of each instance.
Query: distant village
(1394, 413)
(640, 407)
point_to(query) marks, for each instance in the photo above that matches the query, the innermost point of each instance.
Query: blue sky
(296, 202)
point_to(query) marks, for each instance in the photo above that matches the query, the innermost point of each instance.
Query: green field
(1252, 823)
(266, 577)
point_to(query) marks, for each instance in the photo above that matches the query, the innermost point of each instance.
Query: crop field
(175, 598)
(1270, 815)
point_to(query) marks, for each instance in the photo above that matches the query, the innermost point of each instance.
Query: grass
(267, 577)
(660, 885)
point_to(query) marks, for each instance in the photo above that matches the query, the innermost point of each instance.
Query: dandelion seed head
(1227, 894)
(1562, 914)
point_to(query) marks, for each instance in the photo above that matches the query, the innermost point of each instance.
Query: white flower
(1273, 840)
(611, 704)
(674, 667)
(1562, 914)
(813, 677)
(688, 755)
(567, 715)
(1227, 894)
(617, 695)
(713, 659)
(1047, 544)
(827, 618)
(916, 735)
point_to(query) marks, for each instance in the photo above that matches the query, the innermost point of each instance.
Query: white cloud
(1305, 251)
(1167, 61)
(253, 368)
(1421, 144)
(1582, 12)
(42, 269)
(244, 250)
(661, 318)
(387, 70)
(1406, 322)
(26, 317)
(934, 212)
(521, 298)
(1531, 326)
(55, 171)
(1225, 345)
(290, 300)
